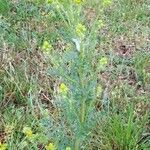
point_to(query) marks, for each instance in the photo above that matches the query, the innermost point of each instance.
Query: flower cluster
(68, 148)
(47, 47)
(49, 1)
(78, 1)
(103, 61)
(50, 146)
(101, 23)
(80, 30)
(3, 146)
(107, 2)
(63, 89)
(99, 90)
(28, 132)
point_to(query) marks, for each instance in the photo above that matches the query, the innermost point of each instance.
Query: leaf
(4, 7)
(77, 44)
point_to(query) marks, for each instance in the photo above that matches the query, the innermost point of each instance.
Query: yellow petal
(50, 146)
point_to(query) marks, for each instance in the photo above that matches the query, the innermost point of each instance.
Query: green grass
(74, 75)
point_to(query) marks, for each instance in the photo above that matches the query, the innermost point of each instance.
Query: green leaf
(4, 7)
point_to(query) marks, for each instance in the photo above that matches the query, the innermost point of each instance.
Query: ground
(74, 75)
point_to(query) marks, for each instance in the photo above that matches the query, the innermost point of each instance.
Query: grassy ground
(74, 75)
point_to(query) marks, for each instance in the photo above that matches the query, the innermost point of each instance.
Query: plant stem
(77, 144)
(83, 108)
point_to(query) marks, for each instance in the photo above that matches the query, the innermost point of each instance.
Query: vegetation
(74, 75)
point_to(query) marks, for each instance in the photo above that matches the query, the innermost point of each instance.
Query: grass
(74, 75)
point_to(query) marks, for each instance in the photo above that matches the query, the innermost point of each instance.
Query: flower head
(28, 132)
(103, 61)
(63, 88)
(80, 30)
(100, 23)
(47, 47)
(99, 90)
(107, 2)
(78, 1)
(68, 148)
(49, 1)
(50, 146)
(3, 146)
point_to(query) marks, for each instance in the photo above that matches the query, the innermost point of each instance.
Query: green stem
(83, 108)
(77, 144)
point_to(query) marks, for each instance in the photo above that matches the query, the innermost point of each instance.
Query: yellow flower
(80, 30)
(99, 90)
(63, 88)
(46, 46)
(28, 132)
(50, 146)
(100, 23)
(49, 1)
(107, 2)
(78, 1)
(103, 61)
(68, 148)
(3, 146)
